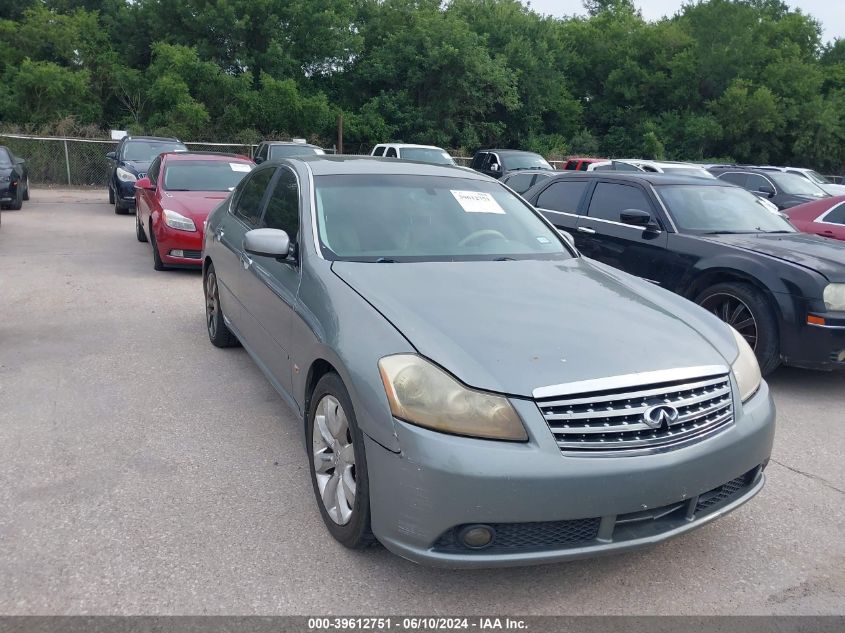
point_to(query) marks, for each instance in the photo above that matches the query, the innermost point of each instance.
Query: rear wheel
(139, 230)
(747, 310)
(339, 464)
(218, 333)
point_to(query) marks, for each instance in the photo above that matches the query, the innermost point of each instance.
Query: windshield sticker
(543, 240)
(240, 167)
(477, 202)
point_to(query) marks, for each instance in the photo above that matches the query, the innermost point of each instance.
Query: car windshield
(817, 178)
(282, 151)
(146, 151)
(204, 175)
(525, 160)
(796, 185)
(395, 218)
(5, 158)
(427, 155)
(719, 209)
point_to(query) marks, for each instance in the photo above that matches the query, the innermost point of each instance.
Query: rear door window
(478, 160)
(836, 215)
(756, 182)
(734, 177)
(563, 196)
(391, 153)
(610, 199)
(379, 150)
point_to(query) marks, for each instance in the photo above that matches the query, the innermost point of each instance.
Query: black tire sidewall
(18, 203)
(139, 230)
(356, 533)
(768, 334)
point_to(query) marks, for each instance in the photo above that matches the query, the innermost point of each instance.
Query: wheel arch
(712, 276)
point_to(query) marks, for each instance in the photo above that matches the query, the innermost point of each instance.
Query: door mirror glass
(111, 155)
(267, 242)
(766, 190)
(495, 167)
(637, 217)
(144, 183)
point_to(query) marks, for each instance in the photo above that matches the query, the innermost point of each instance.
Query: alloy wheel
(334, 459)
(212, 304)
(735, 313)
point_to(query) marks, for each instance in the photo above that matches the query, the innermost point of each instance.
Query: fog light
(841, 357)
(476, 536)
(177, 253)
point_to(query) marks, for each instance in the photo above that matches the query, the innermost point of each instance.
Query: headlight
(834, 297)
(746, 369)
(178, 221)
(126, 176)
(425, 395)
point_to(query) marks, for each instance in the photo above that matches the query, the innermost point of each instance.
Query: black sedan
(14, 180)
(782, 189)
(713, 243)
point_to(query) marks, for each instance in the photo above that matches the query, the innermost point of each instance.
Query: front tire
(158, 264)
(119, 210)
(746, 309)
(338, 464)
(18, 201)
(139, 230)
(26, 190)
(111, 195)
(218, 333)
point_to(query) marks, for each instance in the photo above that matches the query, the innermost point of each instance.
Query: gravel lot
(143, 471)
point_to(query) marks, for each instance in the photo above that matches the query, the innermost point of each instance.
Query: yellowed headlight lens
(423, 394)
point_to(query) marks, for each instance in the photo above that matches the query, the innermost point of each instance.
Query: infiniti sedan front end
(473, 392)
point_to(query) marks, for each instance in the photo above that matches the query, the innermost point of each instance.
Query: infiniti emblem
(659, 414)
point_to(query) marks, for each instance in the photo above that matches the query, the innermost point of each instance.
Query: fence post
(67, 162)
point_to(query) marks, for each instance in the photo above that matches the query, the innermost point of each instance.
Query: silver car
(472, 391)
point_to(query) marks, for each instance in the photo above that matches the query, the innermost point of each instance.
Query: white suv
(422, 153)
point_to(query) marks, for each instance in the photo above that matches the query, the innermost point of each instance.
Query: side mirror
(495, 167)
(111, 155)
(766, 190)
(567, 237)
(268, 243)
(637, 217)
(144, 183)
(258, 160)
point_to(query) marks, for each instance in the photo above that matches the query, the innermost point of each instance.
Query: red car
(575, 163)
(825, 217)
(174, 200)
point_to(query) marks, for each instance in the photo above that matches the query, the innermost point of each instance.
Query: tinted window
(283, 207)
(146, 151)
(734, 178)
(152, 174)
(391, 152)
(756, 181)
(204, 175)
(427, 218)
(526, 160)
(427, 155)
(583, 166)
(611, 199)
(520, 182)
(837, 216)
(378, 151)
(282, 151)
(563, 196)
(571, 165)
(797, 185)
(478, 160)
(249, 201)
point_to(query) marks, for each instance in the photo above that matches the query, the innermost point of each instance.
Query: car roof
(649, 177)
(151, 138)
(291, 143)
(205, 156)
(340, 164)
(401, 145)
(507, 151)
(531, 172)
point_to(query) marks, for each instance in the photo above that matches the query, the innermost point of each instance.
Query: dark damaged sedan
(471, 390)
(715, 244)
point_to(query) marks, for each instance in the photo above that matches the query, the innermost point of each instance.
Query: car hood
(810, 251)
(834, 190)
(137, 166)
(514, 326)
(193, 204)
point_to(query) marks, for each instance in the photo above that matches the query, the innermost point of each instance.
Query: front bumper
(8, 191)
(816, 346)
(125, 192)
(190, 243)
(581, 505)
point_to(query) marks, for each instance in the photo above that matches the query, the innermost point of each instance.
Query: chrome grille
(615, 419)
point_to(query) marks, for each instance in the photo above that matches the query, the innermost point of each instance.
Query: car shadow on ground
(809, 381)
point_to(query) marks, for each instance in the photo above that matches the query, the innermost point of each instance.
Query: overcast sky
(831, 13)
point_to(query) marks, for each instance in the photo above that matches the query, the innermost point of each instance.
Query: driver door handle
(586, 229)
